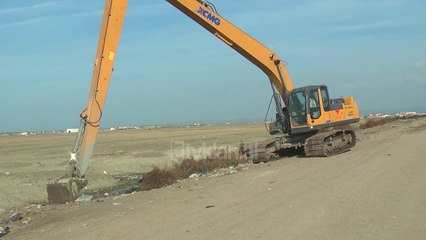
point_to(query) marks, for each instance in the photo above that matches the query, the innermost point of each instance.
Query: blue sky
(170, 70)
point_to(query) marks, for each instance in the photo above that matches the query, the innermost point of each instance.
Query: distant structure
(71, 130)
(377, 114)
(127, 127)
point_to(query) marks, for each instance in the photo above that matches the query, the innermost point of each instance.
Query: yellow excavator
(307, 120)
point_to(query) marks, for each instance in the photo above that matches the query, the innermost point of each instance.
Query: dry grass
(158, 178)
(379, 121)
(219, 158)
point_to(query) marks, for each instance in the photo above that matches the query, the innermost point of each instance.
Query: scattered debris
(194, 175)
(210, 206)
(15, 217)
(4, 231)
(114, 193)
(127, 185)
(84, 198)
(26, 220)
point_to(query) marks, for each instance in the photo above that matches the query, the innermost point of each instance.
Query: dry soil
(375, 191)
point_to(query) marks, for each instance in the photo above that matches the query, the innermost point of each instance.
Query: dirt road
(375, 191)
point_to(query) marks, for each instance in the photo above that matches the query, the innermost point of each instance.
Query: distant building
(71, 130)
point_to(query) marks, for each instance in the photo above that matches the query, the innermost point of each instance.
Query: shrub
(219, 158)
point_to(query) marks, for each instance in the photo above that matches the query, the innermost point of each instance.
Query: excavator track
(319, 145)
(260, 152)
(272, 149)
(329, 143)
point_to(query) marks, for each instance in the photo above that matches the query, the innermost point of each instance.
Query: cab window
(325, 99)
(314, 106)
(298, 108)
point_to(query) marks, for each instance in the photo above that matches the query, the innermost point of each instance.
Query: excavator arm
(67, 188)
(91, 116)
(204, 13)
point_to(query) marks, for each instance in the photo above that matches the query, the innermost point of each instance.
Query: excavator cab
(306, 103)
(311, 109)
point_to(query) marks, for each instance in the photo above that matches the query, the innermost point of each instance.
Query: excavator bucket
(65, 190)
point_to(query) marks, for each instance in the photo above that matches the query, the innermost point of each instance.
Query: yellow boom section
(250, 48)
(112, 23)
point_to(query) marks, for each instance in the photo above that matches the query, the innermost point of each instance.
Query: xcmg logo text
(209, 16)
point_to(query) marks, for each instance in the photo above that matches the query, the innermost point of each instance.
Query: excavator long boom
(204, 14)
(91, 116)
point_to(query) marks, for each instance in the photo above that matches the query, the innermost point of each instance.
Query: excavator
(306, 117)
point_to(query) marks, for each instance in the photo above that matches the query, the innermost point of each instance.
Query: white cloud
(418, 72)
(24, 22)
(416, 78)
(148, 9)
(420, 64)
(37, 20)
(25, 8)
(372, 25)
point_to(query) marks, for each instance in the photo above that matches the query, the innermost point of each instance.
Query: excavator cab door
(314, 104)
(298, 108)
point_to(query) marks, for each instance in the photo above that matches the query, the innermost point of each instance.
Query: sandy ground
(375, 191)
(27, 162)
